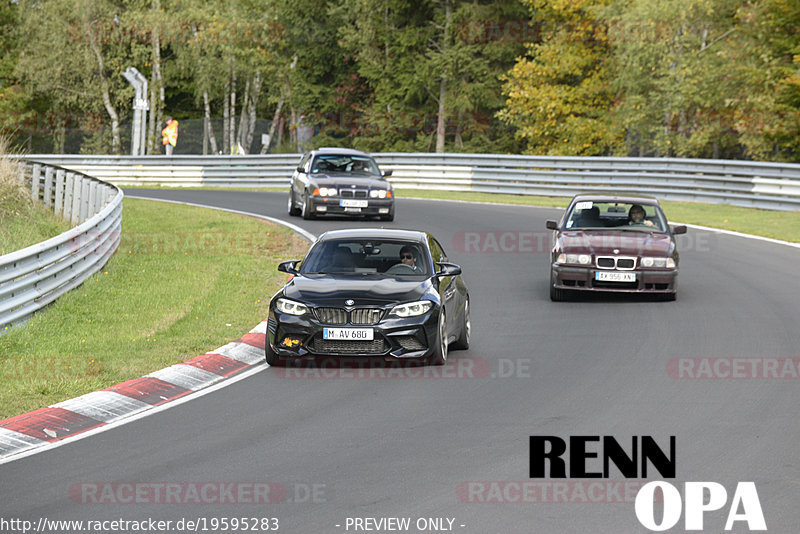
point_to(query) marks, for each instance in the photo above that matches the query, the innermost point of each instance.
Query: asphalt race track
(435, 447)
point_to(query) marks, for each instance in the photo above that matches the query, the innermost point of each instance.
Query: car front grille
(622, 263)
(366, 316)
(329, 346)
(353, 193)
(331, 315)
(359, 316)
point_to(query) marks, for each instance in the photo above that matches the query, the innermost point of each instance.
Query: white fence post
(58, 209)
(48, 187)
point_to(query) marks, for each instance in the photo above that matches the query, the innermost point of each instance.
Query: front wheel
(556, 294)
(272, 359)
(292, 209)
(308, 209)
(439, 356)
(462, 341)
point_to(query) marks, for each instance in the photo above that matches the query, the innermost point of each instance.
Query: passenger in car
(591, 217)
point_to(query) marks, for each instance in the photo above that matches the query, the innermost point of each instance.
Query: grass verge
(23, 222)
(184, 281)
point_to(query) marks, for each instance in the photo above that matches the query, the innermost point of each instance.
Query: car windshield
(590, 215)
(326, 163)
(367, 256)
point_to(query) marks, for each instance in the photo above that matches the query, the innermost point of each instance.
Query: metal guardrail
(742, 183)
(35, 276)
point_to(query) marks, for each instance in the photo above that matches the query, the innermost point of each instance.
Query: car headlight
(291, 307)
(659, 263)
(327, 191)
(579, 259)
(378, 193)
(412, 309)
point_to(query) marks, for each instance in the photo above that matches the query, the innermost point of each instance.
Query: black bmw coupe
(380, 293)
(340, 181)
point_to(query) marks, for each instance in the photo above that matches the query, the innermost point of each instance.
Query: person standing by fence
(170, 135)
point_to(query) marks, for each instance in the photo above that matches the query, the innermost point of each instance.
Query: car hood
(326, 290)
(623, 243)
(347, 180)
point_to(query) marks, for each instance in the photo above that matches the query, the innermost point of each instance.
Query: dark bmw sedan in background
(620, 244)
(340, 181)
(388, 294)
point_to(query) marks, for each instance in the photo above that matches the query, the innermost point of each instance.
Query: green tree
(674, 76)
(73, 55)
(559, 95)
(767, 59)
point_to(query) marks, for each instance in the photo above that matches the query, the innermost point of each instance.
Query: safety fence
(35, 276)
(744, 183)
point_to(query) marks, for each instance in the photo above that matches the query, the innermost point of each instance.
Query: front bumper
(332, 205)
(395, 338)
(583, 279)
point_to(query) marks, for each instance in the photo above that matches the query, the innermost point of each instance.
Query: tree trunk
(440, 120)
(156, 87)
(226, 118)
(273, 128)
(232, 125)
(209, 128)
(112, 112)
(293, 128)
(252, 102)
(240, 134)
(281, 127)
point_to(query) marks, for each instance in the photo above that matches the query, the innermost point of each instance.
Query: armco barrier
(35, 276)
(743, 183)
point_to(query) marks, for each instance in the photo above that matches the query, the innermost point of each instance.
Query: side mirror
(448, 269)
(387, 173)
(552, 225)
(680, 229)
(288, 266)
(300, 169)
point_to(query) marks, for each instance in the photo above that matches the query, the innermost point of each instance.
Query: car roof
(631, 199)
(339, 151)
(374, 233)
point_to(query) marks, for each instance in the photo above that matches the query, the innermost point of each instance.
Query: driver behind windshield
(636, 216)
(408, 257)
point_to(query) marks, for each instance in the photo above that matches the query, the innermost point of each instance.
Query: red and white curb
(98, 409)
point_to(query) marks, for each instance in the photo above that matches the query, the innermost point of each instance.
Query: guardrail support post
(75, 214)
(58, 209)
(21, 167)
(84, 214)
(68, 191)
(92, 200)
(35, 179)
(48, 187)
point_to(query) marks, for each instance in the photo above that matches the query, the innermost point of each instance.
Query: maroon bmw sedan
(620, 244)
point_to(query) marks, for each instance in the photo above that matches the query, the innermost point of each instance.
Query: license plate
(348, 334)
(354, 203)
(614, 276)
